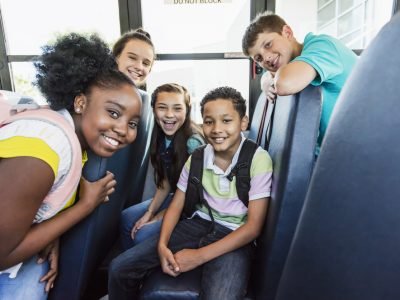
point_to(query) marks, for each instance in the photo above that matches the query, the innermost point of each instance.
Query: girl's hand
(188, 259)
(143, 220)
(94, 193)
(50, 253)
(167, 260)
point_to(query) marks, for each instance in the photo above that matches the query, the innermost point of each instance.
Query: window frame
(131, 17)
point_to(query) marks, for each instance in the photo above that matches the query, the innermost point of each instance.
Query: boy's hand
(94, 193)
(168, 263)
(188, 259)
(268, 86)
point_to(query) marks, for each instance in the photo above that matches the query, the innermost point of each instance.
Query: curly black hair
(227, 93)
(73, 65)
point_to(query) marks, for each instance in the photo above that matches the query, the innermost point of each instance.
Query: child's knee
(115, 269)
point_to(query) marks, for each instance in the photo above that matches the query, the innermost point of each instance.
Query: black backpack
(194, 191)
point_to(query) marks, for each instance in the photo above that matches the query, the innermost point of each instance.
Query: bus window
(196, 27)
(355, 22)
(24, 75)
(38, 22)
(200, 76)
(195, 41)
(30, 24)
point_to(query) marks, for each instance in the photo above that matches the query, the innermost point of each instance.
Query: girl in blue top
(174, 138)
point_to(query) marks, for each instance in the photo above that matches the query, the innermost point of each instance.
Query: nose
(268, 58)
(217, 127)
(139, 65)
(169, 113)
(121, 128)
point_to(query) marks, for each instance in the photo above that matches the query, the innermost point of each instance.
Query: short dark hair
(226, 93)
(73, 65)
(137, 34)
(263, 22)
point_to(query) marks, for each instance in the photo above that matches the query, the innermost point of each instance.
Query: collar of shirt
(209, 159)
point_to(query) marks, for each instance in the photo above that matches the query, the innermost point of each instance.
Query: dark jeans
(224, 277)
(132, 214)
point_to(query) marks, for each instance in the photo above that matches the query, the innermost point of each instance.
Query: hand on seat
(268, 87)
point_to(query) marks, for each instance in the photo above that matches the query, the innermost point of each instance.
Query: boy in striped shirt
(225, 250)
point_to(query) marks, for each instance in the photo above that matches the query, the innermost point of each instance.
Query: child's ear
(287, 31)
(80, 103)
(244, 123)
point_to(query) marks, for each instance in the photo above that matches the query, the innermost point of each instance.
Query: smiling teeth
(111, 141)
(219, 140)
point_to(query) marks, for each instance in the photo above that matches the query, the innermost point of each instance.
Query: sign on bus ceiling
(196, 1)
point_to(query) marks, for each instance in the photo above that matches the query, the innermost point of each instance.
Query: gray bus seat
(84, 247)
(292, 147)
(292, 143)
(347, 243)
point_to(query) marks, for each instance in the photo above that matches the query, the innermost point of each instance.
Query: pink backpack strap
(57, 198)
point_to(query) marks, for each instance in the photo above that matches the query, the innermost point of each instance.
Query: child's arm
(170, 220)
(188, 259)
(156, 202)
(293, 77)
(22, 192)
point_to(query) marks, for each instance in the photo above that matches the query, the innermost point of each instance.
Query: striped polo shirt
(220, 193)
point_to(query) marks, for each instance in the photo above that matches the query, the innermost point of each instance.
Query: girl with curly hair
(173, 139)
(78, 75)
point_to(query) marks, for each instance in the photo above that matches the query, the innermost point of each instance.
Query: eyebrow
(166, 104)
(116, 104)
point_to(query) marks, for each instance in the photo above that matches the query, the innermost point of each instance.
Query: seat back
(347, 242)
(84, 246)
(292, 145)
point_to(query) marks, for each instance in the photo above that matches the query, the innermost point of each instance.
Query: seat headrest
(347, 243)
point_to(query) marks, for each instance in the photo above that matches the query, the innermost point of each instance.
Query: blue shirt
(333, 62)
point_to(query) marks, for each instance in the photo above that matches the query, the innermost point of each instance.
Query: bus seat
(84, 247)
(257, 117)
(347, 242)
(292, 144)
(292, 149)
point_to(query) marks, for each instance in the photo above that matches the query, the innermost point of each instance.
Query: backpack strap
(55, 200)
(242, 170)
(194, 190)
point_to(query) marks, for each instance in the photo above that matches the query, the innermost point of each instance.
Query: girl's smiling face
(170, 112)
(136, 60)
(106, 120)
